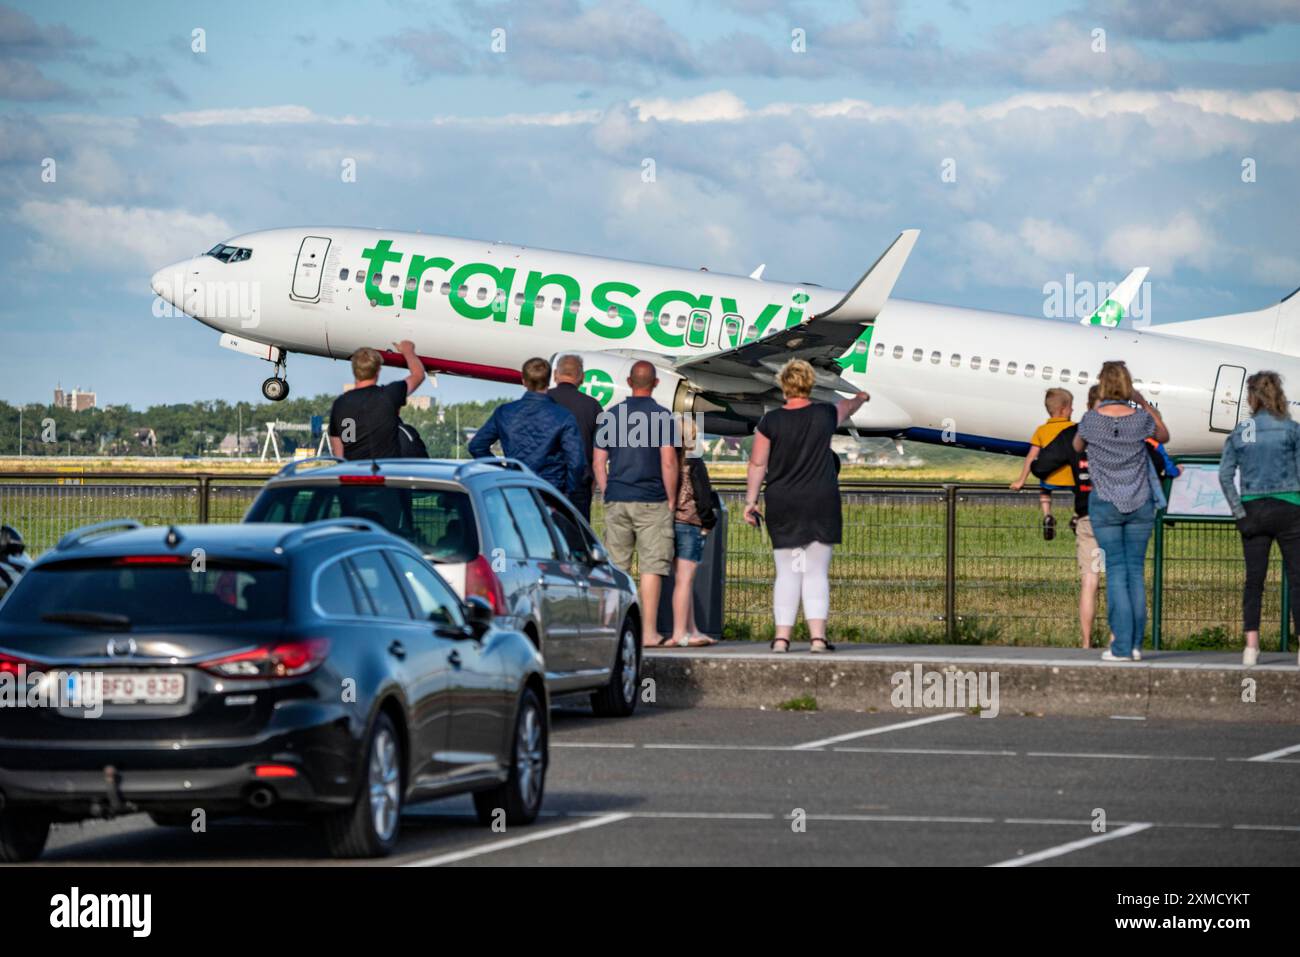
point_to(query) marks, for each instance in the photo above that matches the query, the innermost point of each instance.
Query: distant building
(78, 400)
(422, 402)
(247, 445)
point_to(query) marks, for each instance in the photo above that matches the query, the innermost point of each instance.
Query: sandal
(783, 641)
(690, 641)
(826, 646)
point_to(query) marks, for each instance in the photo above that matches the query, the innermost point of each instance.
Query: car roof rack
(79, 535)
(328, 526)
(499, 461)
(321, 460)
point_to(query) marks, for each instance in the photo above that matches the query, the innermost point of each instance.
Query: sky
(1030, 142)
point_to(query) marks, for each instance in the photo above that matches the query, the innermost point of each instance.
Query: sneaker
(1250, 657)
(1137, 655)
(1049, 527)
(1107, 655)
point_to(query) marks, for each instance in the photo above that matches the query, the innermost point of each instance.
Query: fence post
(204, 488)
(950, 563)
(1286, 610)
(1157, 583)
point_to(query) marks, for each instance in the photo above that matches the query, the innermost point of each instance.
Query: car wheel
(618, 698)
(22, 836)
(369, 827)
(521, 794)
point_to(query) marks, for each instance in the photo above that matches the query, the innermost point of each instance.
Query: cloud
(255, 116)
(1194, 20)
(72, 233)
(1182, 240)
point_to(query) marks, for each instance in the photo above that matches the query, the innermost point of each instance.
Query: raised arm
(846, 407)
(1161, 433)
(417, 374)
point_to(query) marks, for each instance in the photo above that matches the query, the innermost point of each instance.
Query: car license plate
(152, 687)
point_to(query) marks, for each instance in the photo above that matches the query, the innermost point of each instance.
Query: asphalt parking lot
(750, 787)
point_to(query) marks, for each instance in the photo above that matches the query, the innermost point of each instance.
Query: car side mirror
(598, 555)
(11, 543)
(479, 613)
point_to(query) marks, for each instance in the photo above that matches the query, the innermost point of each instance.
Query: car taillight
(286, 659)
(481, 580)
(152, 560)
(361, 480)
(12, 665)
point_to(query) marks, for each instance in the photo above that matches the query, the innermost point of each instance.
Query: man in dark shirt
(363, 420)
(537, 431)
(635, 461)
(585, 409)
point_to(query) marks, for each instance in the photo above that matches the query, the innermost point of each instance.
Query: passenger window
(504, 534)
(1047, 372)
(462, 291)
(955, 361)
(1011, 368)
(556, 303)
(898, 352)
(392, 281)
(411, 284)
(343, 273)
(1029, 369)
(359, 275)
(481, 293)
(917, 354)
(380, 585)
(993, 365)
(568, 528)
(432, 598)
(519, 299)
(428, 285)
(574, 306)
(531, 523)
(1083, 378)
(975, 362)
(935, 357)
(1065, 375)
(880, 348)
(377, 279)
(445, 289)
(333, 592)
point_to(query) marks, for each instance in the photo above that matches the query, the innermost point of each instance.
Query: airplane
(935, 373)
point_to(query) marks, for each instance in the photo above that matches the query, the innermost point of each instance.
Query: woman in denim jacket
(1265, 450)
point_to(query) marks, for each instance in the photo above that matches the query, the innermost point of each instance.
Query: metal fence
(919, 562)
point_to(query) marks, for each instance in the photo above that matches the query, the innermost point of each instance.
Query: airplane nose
(168, 283)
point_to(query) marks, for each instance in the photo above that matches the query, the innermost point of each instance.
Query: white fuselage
(943, 373)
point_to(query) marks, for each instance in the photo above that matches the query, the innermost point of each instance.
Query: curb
(1152, 689)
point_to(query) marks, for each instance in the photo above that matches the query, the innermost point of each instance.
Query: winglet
(1115, 308)
(758, 273)
(865, 300)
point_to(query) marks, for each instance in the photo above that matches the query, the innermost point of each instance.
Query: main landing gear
(276, 388)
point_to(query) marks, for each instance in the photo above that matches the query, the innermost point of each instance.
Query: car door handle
(454, 659)
(397, 650)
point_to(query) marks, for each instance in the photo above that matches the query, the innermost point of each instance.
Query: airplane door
(310, 268)
(1225, 404)
(697, 329)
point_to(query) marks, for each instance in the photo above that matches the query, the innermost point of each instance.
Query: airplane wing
(1115, 308)
(819, 339)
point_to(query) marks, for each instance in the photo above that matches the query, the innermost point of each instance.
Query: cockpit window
(229, 254)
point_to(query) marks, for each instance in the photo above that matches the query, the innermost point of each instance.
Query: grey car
(493, 529)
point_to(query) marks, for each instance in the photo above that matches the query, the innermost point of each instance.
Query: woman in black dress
(792, 449)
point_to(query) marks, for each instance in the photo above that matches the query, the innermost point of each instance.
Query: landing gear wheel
(275, 389)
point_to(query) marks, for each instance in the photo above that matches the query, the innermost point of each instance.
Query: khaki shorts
(1092, 560)
(645, 526)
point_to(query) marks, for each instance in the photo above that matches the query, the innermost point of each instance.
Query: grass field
(888, 575)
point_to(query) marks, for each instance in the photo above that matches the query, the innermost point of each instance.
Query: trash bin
(710, 582)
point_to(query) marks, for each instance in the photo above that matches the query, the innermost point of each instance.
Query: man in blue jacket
(538, 431)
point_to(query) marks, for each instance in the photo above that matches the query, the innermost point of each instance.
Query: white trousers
(802, 573)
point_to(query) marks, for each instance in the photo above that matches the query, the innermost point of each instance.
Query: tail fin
(1116, 305)
(1275, 329)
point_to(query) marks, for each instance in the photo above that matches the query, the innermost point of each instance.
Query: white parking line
(1062, 849)
(965, 751)
(455, 856)
(1129, 757)
(1279, 753)
(810, 745)
(591, 744)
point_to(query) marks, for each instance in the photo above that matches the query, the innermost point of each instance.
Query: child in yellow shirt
(1060, 410)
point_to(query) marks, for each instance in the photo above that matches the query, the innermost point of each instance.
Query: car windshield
(131, 592)
(439, 522)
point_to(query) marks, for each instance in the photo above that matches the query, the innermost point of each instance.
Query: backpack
(1058, 453)
(409, 443)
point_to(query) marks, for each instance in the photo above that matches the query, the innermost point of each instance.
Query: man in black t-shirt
(363, 420)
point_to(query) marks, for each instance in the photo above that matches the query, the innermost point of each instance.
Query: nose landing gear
(276, 388)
